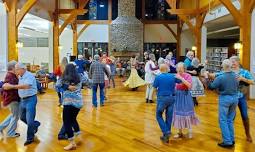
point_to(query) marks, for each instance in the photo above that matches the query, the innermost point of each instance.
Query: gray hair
(168, 57)
(96, 57)
(152, 56)
(195, 62)
(11, 65)
(21, 65)
(180, 64)
(235, 58)
(189, 53)
(226, 64)
(161, 61)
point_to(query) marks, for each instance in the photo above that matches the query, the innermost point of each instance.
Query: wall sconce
(19, 45)
(60, 47)
(194, 48)
(238, 46)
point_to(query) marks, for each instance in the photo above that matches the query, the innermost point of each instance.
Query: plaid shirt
(97, 71)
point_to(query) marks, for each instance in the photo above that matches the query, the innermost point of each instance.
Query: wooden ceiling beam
(187, 21)
(183, 11)
(20, 15)
(159, 21)
(232, 9)
(6, 6)
(83, 29)
(171, 30)
(212, 5)
(251, 5)
(69, 11)
(171, 3)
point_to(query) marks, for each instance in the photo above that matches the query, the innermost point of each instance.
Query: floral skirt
(184, 114)
(134, 80)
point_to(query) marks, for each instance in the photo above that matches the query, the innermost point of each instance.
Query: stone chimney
(126, 31)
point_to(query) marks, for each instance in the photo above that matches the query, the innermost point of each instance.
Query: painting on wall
(93, 9)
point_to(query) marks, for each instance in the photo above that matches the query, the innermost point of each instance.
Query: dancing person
(11, 100)
(70, 82)
(27, 91)
(165, 85)
(184, 115)
(58, 72)
(96, 73)
(188, 60)
(106, 78)
(113, 71)
(171, 61)
(150, 74)
(227, 85)
(81, 64)
(134, 81)
(197, 86)
(246, 79)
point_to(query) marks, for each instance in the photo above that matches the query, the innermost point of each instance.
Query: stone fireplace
(126, 31)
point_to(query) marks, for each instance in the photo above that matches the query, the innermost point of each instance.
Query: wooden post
(12, 31)
(245, 34)
(55, 37)
(178, 39)
(75, 38)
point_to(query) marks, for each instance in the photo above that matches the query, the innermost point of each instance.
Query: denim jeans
(227, 112)
(27, 115)
(94, 91)
(70, 122)
(11, 120)
(113, 81)
(165, 103)
(242, 104)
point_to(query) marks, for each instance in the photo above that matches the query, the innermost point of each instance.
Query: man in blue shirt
(27, 91)
(165, 85)
(227, 84)
(80, 64)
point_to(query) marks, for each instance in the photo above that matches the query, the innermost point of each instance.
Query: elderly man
(165, 85)
(81, 64)
(189, 58)
(227, 84)
(11, 99)
(96, 73)
(246, 79)
(27, 92)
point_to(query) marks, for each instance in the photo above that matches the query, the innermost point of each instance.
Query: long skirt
(134, 80)
(184, 114)
(197, 87)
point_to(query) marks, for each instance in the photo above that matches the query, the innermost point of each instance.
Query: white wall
(34, 55)
(95, 33)
(66, 42)
(3, 38)
(187, 41)
(252, 91)
(158, 33)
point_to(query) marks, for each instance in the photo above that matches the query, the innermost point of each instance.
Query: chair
(44, 81)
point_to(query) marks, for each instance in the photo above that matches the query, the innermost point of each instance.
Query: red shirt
(10, 95)
(181, 86)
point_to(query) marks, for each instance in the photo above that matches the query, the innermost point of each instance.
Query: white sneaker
(178, 135)
(190, 135)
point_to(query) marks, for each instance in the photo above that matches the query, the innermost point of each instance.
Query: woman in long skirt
(184, 114)
(134, 81)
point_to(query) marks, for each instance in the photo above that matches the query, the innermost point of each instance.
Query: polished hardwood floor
(126, 124)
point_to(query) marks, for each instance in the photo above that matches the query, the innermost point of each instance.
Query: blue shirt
(242, 72)
(81, 65)
(187, 62)
(27, 79)
(226, 83)
(165, 84)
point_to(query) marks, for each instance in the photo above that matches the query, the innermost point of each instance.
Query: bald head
(163, 68)
(20, 68)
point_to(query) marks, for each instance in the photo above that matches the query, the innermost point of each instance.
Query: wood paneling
(126, 124)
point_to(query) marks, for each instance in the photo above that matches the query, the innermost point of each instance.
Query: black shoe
(151, 101)
(147, 100)
(164, 139)
(233, 142)
(223, 145)
(28, 142)
(36, 129)
(102, 105)
(42, 92)
(62, 137)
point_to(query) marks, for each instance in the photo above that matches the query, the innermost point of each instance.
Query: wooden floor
(126, 124)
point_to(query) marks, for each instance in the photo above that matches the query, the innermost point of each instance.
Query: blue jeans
(165, 103)
(94, 91)
(27, 115)
(11, 120)
(242, 104)
(227, 113)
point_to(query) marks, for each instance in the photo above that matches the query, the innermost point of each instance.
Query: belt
(24, 98)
